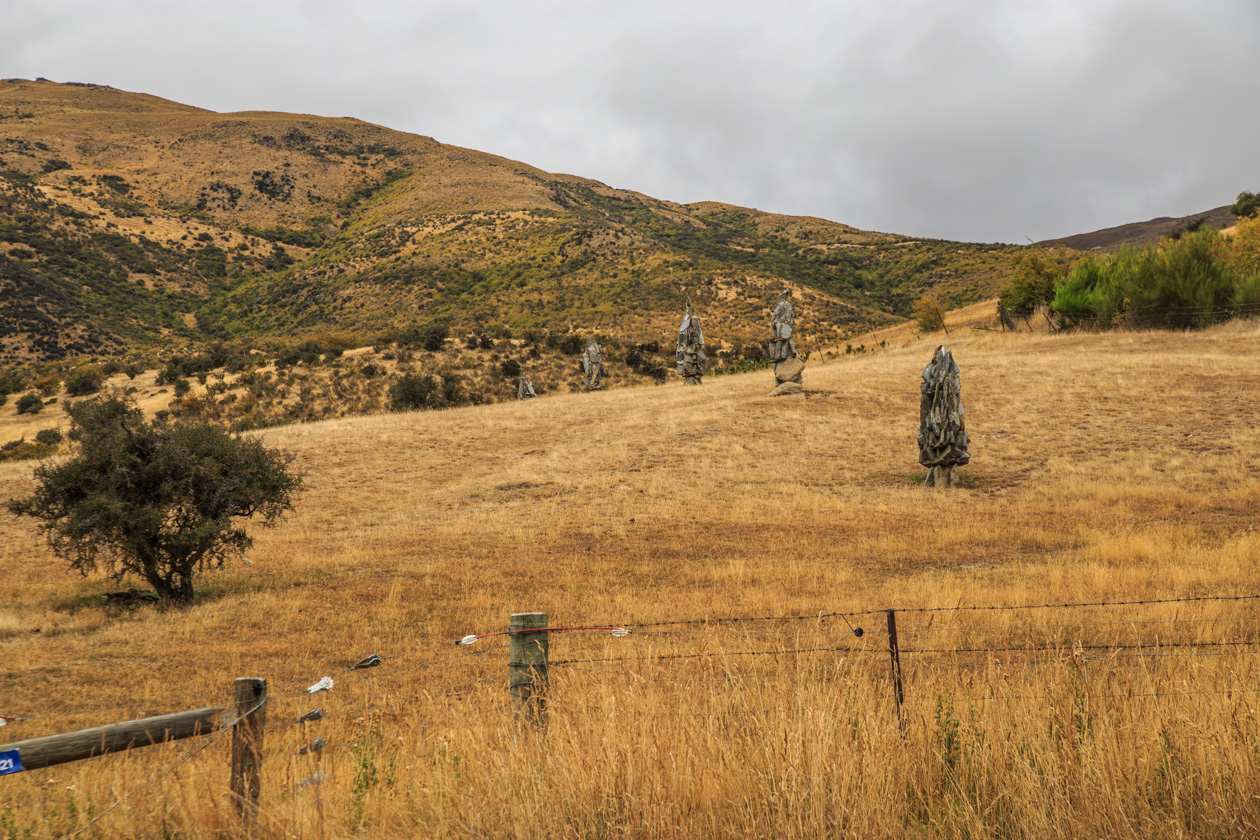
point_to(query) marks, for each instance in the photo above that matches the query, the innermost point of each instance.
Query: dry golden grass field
(1106, 468)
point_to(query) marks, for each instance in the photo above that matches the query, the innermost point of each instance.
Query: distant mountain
(1138, 234)
(129, 222)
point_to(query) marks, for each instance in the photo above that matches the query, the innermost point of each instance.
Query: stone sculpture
(525, 389)
(593, 365)
(691, 356)
(787, 366)
(942, 433)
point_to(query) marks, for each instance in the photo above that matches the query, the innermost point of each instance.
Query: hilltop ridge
(129, 222)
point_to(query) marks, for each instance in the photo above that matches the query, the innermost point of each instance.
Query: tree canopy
(1247, 205)
(159, 499)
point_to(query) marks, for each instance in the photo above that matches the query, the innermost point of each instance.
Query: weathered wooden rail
(245, 720)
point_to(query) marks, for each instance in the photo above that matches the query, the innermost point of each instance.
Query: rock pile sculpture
(525, 389)
(691, 356)
(787, 366)
(942, 433)
(593, 365)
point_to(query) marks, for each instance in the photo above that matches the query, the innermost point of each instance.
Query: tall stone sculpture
(787, 366)
(525, 389)
(691, 356)
(942, 434)
(593, 365)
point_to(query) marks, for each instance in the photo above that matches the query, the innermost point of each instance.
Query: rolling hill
(1138, 234)
(131, 223)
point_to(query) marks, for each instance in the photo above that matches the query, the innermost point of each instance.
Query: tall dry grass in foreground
(1106, 467)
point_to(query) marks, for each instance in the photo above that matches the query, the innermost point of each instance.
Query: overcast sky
(977, 120)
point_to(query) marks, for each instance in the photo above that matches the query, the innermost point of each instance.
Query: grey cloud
(976, 119)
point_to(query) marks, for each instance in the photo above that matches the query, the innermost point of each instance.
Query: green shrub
(24, 450)
(1091, 293)
(300, 238)
(29, 403)
(1179, 283)
(1037, 276)
(412, 392)
(49, 437)
(11, 381)
(1246, 296)
(84, 381)
(929, 314)
(47, 385)
(431, 336)
(569, 345)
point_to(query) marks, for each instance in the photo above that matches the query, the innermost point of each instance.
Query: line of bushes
(1192, 280)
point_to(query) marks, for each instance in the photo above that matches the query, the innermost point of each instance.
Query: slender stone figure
(942, 433)
(593, 365)
(787, 366)
(691, 356)
(525, 389)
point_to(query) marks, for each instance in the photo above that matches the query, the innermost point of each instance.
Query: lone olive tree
(159, 499)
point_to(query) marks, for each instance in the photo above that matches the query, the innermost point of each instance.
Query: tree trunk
(176, 586)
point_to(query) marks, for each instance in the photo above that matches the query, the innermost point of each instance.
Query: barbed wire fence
(452, 676)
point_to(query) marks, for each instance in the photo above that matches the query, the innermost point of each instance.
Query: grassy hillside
(645, 505)
(132, 223)
(1138, 234)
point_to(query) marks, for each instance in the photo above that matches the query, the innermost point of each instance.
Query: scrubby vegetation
(1194, 278)
(302, 225)
(1189, 281)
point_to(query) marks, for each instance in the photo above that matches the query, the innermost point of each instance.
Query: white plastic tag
(323, 685)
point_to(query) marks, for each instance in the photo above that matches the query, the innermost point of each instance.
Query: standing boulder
(943, 437)
(525, 389)
(691, 356)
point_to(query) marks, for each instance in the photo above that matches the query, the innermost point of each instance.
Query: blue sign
(10, 762)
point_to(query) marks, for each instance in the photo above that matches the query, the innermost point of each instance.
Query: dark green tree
(1247, 205)
(158, 499)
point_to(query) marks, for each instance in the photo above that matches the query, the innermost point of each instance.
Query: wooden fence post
(247, 742)
(894, 653)
(52, 750)
(527, 666)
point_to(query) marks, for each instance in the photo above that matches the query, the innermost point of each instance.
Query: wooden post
(894, 653)
(51, 750)
(527, 667)
(247, 742)
(1008, 323)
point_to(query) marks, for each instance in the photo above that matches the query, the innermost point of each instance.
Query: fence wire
(383, 684)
